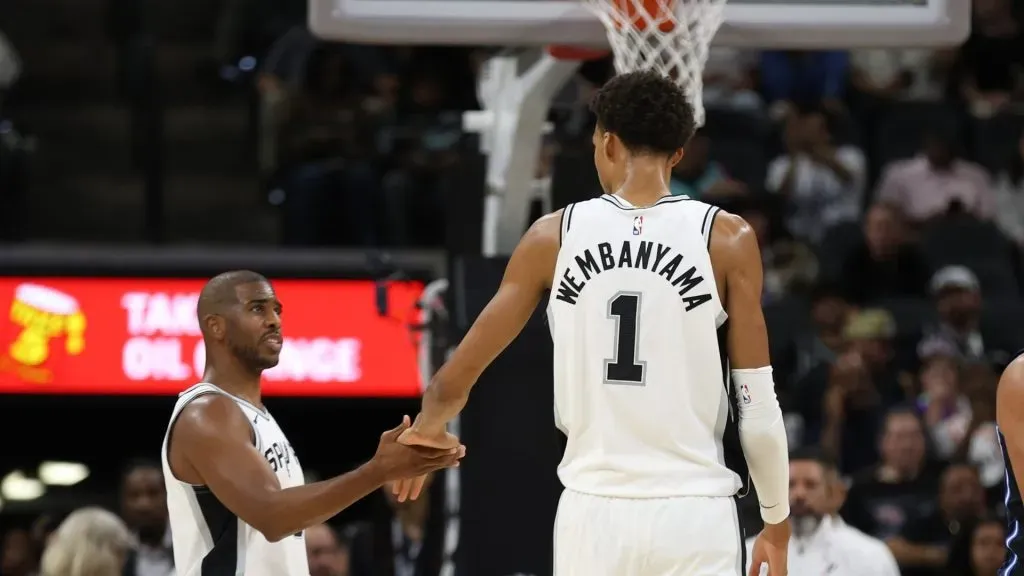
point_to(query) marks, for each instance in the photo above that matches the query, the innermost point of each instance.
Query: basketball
(642, 12)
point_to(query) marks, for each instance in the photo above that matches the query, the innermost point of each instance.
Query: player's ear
(609, 145)
(675, 157)
(214, 326)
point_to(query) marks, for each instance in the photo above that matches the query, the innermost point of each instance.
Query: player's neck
(235, 379)
(645, 184)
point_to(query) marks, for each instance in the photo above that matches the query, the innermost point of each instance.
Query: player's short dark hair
(134, 464)
(812, 454)
(649, 112)
(219, 291)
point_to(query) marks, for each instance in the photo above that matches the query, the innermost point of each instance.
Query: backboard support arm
(512, 127)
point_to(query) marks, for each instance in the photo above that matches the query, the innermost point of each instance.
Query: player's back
(640, 369)
(209, 538)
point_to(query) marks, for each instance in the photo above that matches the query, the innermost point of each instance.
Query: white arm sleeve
(763, 437)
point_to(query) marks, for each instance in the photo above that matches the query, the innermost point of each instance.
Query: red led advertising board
(140, 336)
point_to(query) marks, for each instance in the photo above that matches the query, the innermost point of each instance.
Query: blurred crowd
(402, 539)
(886, 187)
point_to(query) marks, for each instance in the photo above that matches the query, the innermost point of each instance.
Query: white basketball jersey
(209, 540)
(640, 368)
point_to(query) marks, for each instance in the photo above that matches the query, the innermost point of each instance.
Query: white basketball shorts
(598, 536)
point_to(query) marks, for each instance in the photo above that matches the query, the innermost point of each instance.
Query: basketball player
(641, 285)
(235, 493)
(1009, 399)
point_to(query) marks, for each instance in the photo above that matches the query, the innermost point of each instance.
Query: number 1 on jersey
(624, 368)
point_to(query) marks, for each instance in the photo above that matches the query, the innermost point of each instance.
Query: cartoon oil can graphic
(44, 314)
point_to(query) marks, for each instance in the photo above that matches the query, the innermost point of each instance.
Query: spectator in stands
(944, 407)
(1009, 192)
(700, 177)
(19, 556)
(861, 382)
(884, 265)
(991, 57)
(144, 510)
(935, 181)
(323, 161)
(821, 542)
(822, 184)
(830, 313)
(404, 538)
(729, 79)
(326, 552)
(957, 294)
(901, 487)
(981, 448)
(89, 542)
(899, 73)
(789, 265)
(922, 546)
(978, 550)
(803, 369)
(10, 66)
(793, 78)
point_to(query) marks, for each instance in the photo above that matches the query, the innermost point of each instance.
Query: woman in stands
(90, 542)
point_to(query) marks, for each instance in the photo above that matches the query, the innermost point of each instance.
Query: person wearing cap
(861, 381)
(957, 295)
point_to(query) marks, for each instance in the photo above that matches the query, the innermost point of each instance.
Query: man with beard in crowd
(821, 542)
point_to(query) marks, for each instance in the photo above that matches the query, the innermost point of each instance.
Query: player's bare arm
(211, 444)
(738, 271)
(527, 278)
(1009, 399)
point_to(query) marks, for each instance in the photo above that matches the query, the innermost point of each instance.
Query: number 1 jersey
(641, 376)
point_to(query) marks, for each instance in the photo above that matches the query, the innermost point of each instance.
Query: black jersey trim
(618, 202)
(732, 449)
(566, 222)
(222, 525)
(741, 529)
(708, 223)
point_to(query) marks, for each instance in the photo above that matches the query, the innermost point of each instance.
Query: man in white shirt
(822, 543)
(822, 183)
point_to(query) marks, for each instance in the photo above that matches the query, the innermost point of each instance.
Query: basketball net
(670, 36)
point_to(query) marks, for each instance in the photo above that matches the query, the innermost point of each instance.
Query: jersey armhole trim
(565, 222)
(709, 224)
(256, 440)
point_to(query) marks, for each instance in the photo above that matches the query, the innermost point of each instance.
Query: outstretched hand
(410, 488)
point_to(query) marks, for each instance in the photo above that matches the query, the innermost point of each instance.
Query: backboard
(748, 23)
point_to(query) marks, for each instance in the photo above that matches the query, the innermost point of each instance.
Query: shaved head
(240, 316)
(220, 293)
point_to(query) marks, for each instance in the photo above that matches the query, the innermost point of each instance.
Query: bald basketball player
(235, 493)
(661, 359)
(1010, 423)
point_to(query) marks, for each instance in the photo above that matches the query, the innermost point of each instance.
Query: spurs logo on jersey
(640, 370)
(280, 456)
(211, 541)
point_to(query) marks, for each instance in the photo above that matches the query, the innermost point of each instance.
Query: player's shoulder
(546, 229)
(1011, 383)
(209, 413)
(731, 238)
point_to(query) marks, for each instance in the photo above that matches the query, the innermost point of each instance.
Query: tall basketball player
(1009, 399)
(235, 492)
(662, 372)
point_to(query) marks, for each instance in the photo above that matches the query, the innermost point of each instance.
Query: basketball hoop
(670, 36)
